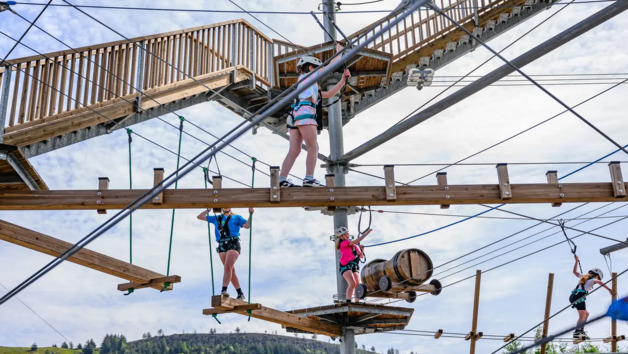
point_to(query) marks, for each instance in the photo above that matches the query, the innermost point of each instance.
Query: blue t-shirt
(234, 224)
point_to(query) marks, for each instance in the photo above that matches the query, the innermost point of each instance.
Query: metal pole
(141, 55)
(336, 146)
(4, 98)
(476, 305)
(614, 322)
(548, 306)
(555, 42)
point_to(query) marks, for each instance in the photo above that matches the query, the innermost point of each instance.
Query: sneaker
(576, 334)
(224, 293)
(287, 183)
(584, 335)
(312, 183)
(241, 297)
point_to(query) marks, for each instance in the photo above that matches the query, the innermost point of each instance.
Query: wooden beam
(246, 307)
(156, 283)
(103, 185)
(313, 197)
(476, 306)
(330, 182)
(619, 187)
(283, 318)
(552, 178)
(389, 177)
(217, 186)
(548, 306)
(275, 189)
(52, 246)
(505, 190)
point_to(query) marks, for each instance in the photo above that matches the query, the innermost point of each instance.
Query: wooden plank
(32, 102)
(301, 197)
(72, 74)
(54, 89)
(235, 308)
(217, 186)
(504, 182)
(389, 177)
(275, 189)
(283, 318)
(441, 179)
(52, 246)
(103, 185)
(155, 283)
(63, 72)
(619, 187)
(158, 174)
(16, 90)
(25, 94)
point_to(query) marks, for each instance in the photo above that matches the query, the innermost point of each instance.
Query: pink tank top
(346, 254)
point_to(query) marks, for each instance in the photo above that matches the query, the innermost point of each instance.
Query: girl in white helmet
(304, 125)
(350, 253)
(578, 296)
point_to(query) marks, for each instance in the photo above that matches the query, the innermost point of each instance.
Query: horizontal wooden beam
(157, 283)
(312, 197)
(229, 304)
(52, 246)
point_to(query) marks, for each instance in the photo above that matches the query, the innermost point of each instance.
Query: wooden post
(614, 322)
(441, 179)
(389, 176)
(476, 305)
(275, 189)
(103, 185)
(158, 177)
(552, 178)
(217, 184)
(619, 188)
(504, 182)
(548, 305)
(330, 180)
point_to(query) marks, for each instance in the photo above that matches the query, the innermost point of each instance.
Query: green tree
(64, 345)
(34, 347)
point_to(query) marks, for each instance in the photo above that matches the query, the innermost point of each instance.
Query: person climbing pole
(303, 123)
(349, 258)
(227, 230)
(578, 296)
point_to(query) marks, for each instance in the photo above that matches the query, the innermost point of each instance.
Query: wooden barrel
(371, 273)
(410, 267)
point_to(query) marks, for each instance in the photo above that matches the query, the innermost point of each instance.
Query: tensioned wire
(25, 32)
(202, 156)
(488, 217)
(138, 89)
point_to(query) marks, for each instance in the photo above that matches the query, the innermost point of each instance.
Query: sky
(293, 264)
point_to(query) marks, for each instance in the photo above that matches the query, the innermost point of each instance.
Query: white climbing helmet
(340, 231)
(598, 271)
(308, 59)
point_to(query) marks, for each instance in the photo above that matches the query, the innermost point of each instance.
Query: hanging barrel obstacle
(400, 277)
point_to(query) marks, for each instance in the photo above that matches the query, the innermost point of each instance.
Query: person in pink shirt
(350, 254)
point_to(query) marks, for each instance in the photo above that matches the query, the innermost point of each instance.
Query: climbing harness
(176, 184)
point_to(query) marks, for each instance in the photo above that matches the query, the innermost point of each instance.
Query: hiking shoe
(576, 334)
(584, 335)
(241, 297)
(312, 183)
(224, 293)
(287, 183)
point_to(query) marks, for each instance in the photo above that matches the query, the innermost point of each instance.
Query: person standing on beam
(303, 120)
(227, 229)
(578, 296)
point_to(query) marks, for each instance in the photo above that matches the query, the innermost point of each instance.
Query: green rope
(176, 183)
(129, 132)
(209, 236)
(251, 232)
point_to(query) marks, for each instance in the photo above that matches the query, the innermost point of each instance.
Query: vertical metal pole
(141, 54)
(476, 305)
(336, 147)
(475, 13)
(548, 305)
(234, 38)
(4, 98)
(614, 322)
(270, 69)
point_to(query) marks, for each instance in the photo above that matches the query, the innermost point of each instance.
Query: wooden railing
(47, 85)
(425, 26)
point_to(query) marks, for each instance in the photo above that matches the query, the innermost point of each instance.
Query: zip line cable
(138, 89)
(25, 32)
(555, 98)
(202, 156)
(38, 315)
(490, 217)
(483, 163)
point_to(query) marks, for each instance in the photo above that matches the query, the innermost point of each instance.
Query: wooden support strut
(614, 322)
(505, 190)
(309, 324)
(158, 177)
(389, 177)
(103, 185)
(217, 184)
(330, 183)
(548, 305)
(619, 187)
(552, 178)
(441, 179)
(476, 304)
(275, 188)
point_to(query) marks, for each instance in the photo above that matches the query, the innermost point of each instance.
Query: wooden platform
(16, 173)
